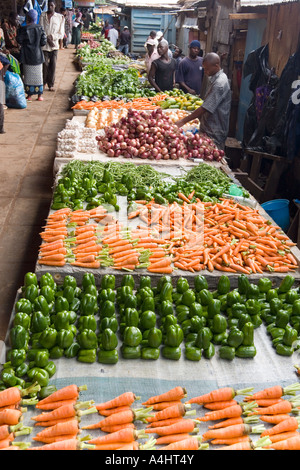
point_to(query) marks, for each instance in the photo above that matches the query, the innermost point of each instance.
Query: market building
(150, 235)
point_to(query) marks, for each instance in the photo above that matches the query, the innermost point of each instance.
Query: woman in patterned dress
(32, 37)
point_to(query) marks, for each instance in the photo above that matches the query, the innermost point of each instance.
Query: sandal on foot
(40, 98)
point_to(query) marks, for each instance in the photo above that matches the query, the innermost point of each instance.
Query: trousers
(49, 67)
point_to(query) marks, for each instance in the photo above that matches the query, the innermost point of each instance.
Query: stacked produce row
(145, 242)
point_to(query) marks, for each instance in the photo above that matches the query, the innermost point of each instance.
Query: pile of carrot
(225, 236)
(142, 103)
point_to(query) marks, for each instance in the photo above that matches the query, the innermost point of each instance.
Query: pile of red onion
(154, 136)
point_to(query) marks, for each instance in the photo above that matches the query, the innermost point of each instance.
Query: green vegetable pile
(88, 323)
(103, 81)
(97, 55)
(82, 183)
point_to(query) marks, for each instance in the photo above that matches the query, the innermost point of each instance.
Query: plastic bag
(14, 91)
(14, 64)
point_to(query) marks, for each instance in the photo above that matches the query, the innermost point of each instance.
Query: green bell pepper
(174, 336)
(50, 367)
(235, 337)
(131, 317)
(47, 280)
(64, 338)
(238, 309)
(154, 337)
(171, 352)
(87, 322)
(248, 332)
(87, 355)
(227, 352)
(56, 352)
(246, 351)
(210, 351)
(243, 319)
(17, 357)
(200, 282)
(290, 336)
(88, 279)
(108, 281)
(296, 308)
(147, 320)
(108, 357)
(286, 284)
(291, 296)
(128, 280)
(22, 369)
(18, 337)
(41, 358)
(109, 322)
(223, 286)
(69, 281)
(88, 304)
(9, 377)
(122, 293)
(47, 338)
(166, 292)
(23, 319)
(253, 306)
(72, 350)
(30, 278)
(132, 336)
(69, 294)
(284, 350)
(264, 284)
(39, 322)
(182, 285)
(23, 305)
(195, 309)
(49, 294)
(145, 281)
(40, 304)
(243, 284)
(197, 323)
(131, 352)
(106, 294)
(204, 338)
(61, 320)
(61, 304)
(166, 308)
(87, 339)
(149, 353)
(107, 309)
(147, 304)
(188, 297)
(213, 308)
(233, 297)
(130, 301)
(282, 318)
(31, 292)
(109, 340)
(253, 291)
(39, 375)
(192, 353)
(219, 323)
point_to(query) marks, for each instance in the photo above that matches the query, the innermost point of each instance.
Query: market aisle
(27, 151)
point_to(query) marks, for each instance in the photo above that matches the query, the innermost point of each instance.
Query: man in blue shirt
(190, 71)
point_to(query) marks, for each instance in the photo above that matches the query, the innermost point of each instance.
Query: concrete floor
(27, 152)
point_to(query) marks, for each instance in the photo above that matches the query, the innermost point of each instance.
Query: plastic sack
(14, 91)
(14, 64)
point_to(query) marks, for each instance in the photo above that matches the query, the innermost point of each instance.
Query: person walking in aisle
(113, 36)
(125, 37)
(32, 38)
(214, 113)
(53, 25)
(190, 71)
(162, 71)
(76, 29)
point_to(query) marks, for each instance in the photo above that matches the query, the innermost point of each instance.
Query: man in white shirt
(53, 24)
(113, 36)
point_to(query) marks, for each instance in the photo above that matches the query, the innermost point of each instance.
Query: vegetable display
(97, 324)
(154, 136)
(165, 421)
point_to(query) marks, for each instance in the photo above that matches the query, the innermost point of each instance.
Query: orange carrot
(165, 404)
(55, 404)
(268, 401)
(175, 411)
(191, 443)
(13, 395)
(282, 436)
(65, 411)
(111, 411)
(65, 393)
(231, 440)
(220, 405)
(228, 412)
(237, 420)
(247, 445)
(126, 398)
(10, 416)
(285, 406)
(184, 425)
(164, 422)
(51, 422)
(293, 443)
(286, 425)
(61, 437)
(130, 446)
(274, 419)
(176, 393)
(172, 438)
(221, 394)
(123, 417)
(67, 444)
(59, 429)
(275, 392)
(124, 435)
(117, 427)
(232, 431)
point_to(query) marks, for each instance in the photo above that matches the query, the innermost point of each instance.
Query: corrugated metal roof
(256, 3)
(171, 4)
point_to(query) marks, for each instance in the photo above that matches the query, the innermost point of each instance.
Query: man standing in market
(53, 24)
(214, 113)
(190, 71)
(125, 37)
